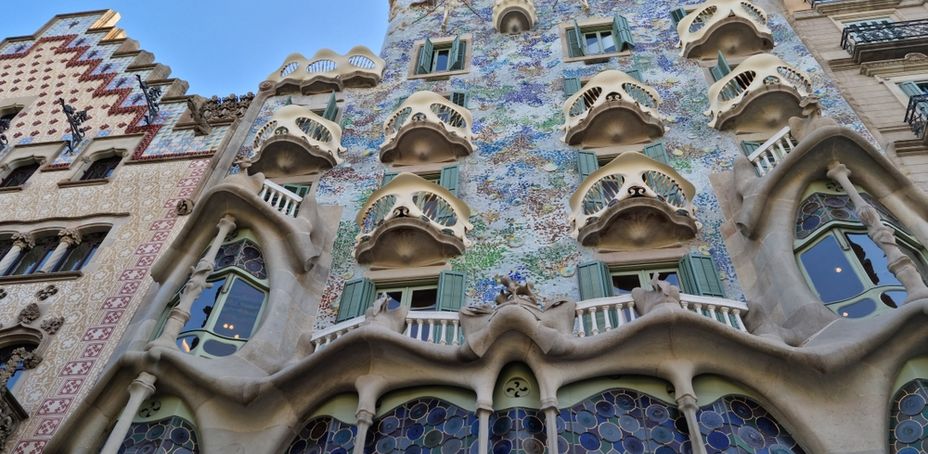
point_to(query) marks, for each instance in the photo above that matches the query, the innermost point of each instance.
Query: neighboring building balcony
(427, 128)
(733, 27)
(296, 141)
(633, 202)
(514, 16)
(760, 95)
(327, 71)
(411, 222)
(613, 108)
(885, 40)
(916, 115)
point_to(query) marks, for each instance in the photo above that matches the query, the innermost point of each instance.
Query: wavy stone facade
(662, 292)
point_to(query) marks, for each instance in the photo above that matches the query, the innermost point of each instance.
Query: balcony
(885, 41)
(411, 222)
(760, 95)
(296, 141)
(514, 16)
(280, 198)
(327, 71)
(916, 116)
(733, 27)
(633, 203)
(426, 128)
(613, 108)
(773, 151)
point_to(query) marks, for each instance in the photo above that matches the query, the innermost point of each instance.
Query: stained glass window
(821, 208)
(623, 421)
(174, 435)
(243, 254)
(324, 435)
(518, 430)
(424, 425)
(736, 424)
(908, 420)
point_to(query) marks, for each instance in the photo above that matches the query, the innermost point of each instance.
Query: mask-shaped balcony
(733, 27)
(411, 222)
(514, 16)
(634, 202)
(613, 108)
(760, 95)
(296, 141)
(427, 127)
(327, 71)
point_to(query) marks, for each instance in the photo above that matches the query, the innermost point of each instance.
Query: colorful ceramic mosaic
(908, 420)
(736, 424)
(623, 421)
(324, 435)
(425, 425)
(243, 254)
(518, 430)
(174, 435)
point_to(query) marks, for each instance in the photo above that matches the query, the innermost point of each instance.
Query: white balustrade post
(698, 308)
(140, 389)
(431, 331)
(593, 311)
(66, 239)
(606, 319)
(21, 242)
(738, 320)
(581, 332)
(621, 312)
(712, 313)
(725, 310)
(631, 311)
(457, 325)
(443, 340)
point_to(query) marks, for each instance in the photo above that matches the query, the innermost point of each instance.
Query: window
(721, 68)
(914, 88)
(846, 268)
(31, 260)
(416, 298)
(599, 39)
(624, 281)
(225, 315)
(19, 175)
(694, 274)
(6, 120)
(79, 256)
(447, 294)
(6, 354)
(331, 110)
(447, 178)
(101, 168)
(441, 58)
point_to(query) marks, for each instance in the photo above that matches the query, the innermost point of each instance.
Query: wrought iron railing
(862, 34)
(916, 115)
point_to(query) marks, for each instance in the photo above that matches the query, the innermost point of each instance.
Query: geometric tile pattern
(908, 420)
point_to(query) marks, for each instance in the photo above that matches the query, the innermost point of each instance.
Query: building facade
(523, 226)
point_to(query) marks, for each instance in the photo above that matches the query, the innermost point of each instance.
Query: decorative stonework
(51, 325)
(29, 314)
(47, 292)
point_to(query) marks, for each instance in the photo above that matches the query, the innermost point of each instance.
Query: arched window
(78, 256)
(101, 168)
(425, 424)
(738, 424)
(32, 259)
(908, 420)
(12, 359)
(162, 425)
(19, 174)
(324, 434)
(225, 315)
(845, 267)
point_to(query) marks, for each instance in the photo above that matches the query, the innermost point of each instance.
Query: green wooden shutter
(657, 152)
(459, 98)
(677, 15)
(571, 85)
(698, 276)
(910, 88)
(750, 146)
(298, 189)
(331, 109)
(457, 54)
(622, 33)
(595, 280)
(635, 73)
(450, 291)
(424, 65)
(575, 41)
(387, 177)
(587, 163)
(449, 179)
(357, 296)
(721, 68)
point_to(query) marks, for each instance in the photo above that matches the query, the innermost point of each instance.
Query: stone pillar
(194, 287)
(687, 405)
(21, 242)
(483, 416)
(140, 389)
(66, 239)
(365, 420)
(550, 408)
(899, 264)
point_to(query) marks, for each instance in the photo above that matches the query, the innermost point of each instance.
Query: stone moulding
(427, 127)
(411, 222)
(760, 95)
(733, 27)
(514, 16)
(633, 202)
(327, 71)
(613, 108)
(296, 141)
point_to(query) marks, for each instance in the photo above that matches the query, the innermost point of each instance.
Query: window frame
(444, 42)
(645, 274)
(407, 289)
(593, 24)
(17, 164)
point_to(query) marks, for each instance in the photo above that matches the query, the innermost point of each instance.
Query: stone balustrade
(280, 198)
(437, 327)
(294, 141)
(773, 151)
(427, 127)
(328, 71)
(612, 108)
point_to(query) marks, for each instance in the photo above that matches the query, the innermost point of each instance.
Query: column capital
(226, 222)
(549, 402)
(365, 416)
(70, 236)
(687, 402)
(837, 170)
(144, 382)
(23, 240)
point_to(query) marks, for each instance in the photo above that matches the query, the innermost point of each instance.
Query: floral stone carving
(51, 325)
(29, 314)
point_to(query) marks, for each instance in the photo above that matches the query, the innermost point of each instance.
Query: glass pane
(101, 168)
(894, 298)
(424, 299)
(830, 272)
(81, 254)
(187, 343)
(203, 306)
(19, 175)
(859, 309)
(872, 259)
(441, 60)
(239, 311)
(34, 258)
(608, 42)
(217, 348)
(623, 284)
(396, 299)
(670, 277)
(592, 43)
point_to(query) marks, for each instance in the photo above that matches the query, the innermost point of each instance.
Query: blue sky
(223, 47)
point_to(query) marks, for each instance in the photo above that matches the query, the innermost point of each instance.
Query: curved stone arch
(23, 334)
(85, 161)
(331, 426)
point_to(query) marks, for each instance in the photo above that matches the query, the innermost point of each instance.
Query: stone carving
(29, 314)
(380, 312)
(8, 420)
(662, 294)
(19, 357)
(47, 292)
(195, 105)
(184, 207)
(70, 236)
(227, 109)
(23, 240)
(517, 308)
(51, 325)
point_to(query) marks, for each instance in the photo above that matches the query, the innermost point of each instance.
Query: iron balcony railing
(916, 115)
(862, 34)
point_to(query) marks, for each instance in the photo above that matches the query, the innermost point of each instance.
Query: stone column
(899, 264)
(483, 415)
(140, 389)
(66, 239)
(687, 405)
(550, 408)
(194, 287)
(21, 242)
(365, 420)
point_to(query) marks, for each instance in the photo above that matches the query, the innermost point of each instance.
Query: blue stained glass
(524, 431)
(424, 425)
(324, 435)
(243, 254)
(174, 435)
(908, 419)
(737, 424)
